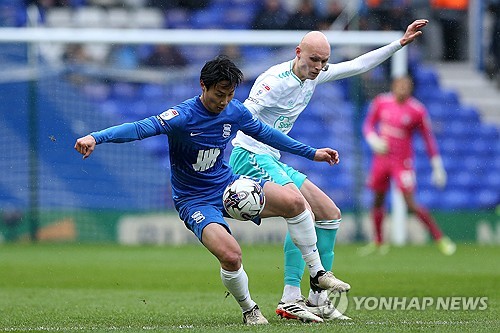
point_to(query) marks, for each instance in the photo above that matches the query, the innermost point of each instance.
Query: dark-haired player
(198, 131)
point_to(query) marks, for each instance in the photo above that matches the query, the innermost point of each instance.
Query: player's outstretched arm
(327, 155)
(85, 145)
(413, 31)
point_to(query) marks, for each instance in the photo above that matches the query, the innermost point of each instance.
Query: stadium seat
(457, 199)
(490, 132)
(90, 17)
(237, 18)
(61, 17)
(469, 114)
(428, 198)
(426, 76)
(449, 98)
(152, 90)
(487, 198)
(207, 19)
(177, 18)
(118, 17)
(147, 17)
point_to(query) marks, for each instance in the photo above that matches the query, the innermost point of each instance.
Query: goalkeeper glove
(438, 172)
(377, 144)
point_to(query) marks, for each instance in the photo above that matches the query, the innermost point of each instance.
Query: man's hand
(376, 143)
(438, 176)
(413, 31)
(85, 145)
(327, 155)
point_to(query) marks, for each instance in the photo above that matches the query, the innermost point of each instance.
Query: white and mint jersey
(278, 96)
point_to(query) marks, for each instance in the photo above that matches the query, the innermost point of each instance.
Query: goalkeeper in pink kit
(392, 120)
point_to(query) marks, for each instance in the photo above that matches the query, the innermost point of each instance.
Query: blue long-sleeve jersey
(197, 139)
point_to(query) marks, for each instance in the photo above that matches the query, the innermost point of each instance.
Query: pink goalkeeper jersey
(397, 123)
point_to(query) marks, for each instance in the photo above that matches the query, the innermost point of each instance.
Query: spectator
(452, 16)
(387, 14)
(184, 4)
(333, 11)
(271, 16)
(165, 56)
(123, 57)
(234, 53)
(12, 218)
(75, 54)
(305, 17)
(493, 60)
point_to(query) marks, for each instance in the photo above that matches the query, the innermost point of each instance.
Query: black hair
(221, 68)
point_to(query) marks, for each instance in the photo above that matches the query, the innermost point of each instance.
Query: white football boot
(297, 310)
(327, 281)
(254, 317)
(325, 308)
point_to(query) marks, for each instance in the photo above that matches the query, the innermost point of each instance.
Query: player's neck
(296, 71)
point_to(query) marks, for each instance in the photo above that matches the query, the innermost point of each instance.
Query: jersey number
(206, 159)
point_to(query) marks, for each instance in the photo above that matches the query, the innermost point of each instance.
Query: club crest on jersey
(226, 130)
(169, 114)
(282, 123)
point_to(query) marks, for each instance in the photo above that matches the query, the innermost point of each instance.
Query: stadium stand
(470, 147)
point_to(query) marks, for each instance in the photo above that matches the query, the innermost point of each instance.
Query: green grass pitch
(112, 288)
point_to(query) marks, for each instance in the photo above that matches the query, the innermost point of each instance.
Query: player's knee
(231, 260)
(336, 214)
(295, 204)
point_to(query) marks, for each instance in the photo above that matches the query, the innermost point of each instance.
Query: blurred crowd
(449, 21)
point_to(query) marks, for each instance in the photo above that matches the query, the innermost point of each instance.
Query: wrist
(437, 162)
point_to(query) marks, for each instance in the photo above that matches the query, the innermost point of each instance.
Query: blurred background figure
(332, 12)
(452, 16)
(12, 218)
(234, 53)
(271, 16)
(165, 56)
(388, 14)
(305, 17)
(123, 57)
(493, 53)
(76, 54)
(392, 120)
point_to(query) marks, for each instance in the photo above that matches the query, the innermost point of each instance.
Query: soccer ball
(244, 199)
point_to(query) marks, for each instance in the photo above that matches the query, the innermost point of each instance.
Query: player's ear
(202, 85)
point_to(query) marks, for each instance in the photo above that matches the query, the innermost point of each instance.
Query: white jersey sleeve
(359, 65)
(278, 96)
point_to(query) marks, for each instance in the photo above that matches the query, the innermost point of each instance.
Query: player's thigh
(379, 177)
(322, 206)
(282, 201)
(405, 179)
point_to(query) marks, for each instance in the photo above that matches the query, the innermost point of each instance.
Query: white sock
(291, 293)
(236, 283)
(316, 298)
(303, 234)
(313, 262)
(313, 297)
